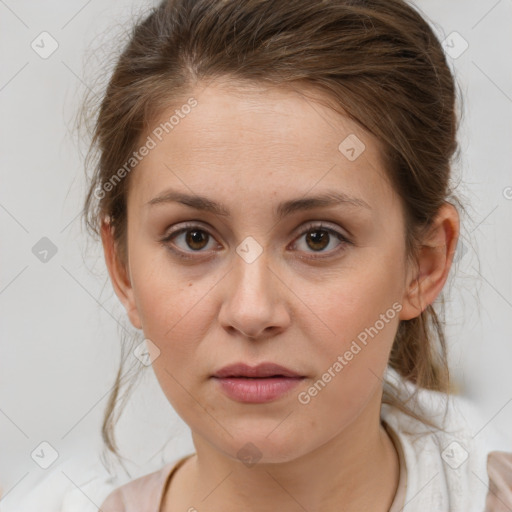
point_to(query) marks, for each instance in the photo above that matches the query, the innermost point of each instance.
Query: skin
(249, 149)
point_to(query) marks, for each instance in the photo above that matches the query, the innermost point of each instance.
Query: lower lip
(257, 391)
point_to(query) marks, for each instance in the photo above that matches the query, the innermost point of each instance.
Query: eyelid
(322, 226)
(185, 226)
(301, 231)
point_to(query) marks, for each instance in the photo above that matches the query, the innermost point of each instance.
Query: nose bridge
(251, 303)
(251, 276)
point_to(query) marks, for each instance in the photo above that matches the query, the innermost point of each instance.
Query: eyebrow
(285, 208)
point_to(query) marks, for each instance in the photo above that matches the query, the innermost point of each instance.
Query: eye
(193, 238)
(319, 237)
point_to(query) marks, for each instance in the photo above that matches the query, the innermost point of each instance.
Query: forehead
(259, 140)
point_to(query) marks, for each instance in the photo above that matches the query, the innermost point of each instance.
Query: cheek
(174, 316)
(164, 294)
(360, 314)
(363, 316)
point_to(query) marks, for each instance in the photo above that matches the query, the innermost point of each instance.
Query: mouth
(259, 378)
(261, 371)
(260, 384)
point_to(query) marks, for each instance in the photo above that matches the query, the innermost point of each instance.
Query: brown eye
(187, 240)
(195, 239)
(318, 239)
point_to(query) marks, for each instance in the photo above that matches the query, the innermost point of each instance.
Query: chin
(257, 447)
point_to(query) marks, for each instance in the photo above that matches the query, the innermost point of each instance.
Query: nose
(254, 304)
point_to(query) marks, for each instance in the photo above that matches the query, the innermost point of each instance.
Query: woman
(273, 197)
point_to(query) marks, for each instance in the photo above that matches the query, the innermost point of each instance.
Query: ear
(426, 280)
(119, 273)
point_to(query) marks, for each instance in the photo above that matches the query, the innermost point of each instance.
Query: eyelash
(195, 227)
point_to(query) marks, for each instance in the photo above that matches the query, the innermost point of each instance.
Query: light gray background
(59, 331)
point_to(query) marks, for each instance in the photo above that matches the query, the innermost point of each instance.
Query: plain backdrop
(60, 320)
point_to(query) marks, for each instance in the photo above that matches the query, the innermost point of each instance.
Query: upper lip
(261, 370)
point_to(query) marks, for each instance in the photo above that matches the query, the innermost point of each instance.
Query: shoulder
(460, 465)
(113, 502)
(142, 494)
(499, 469)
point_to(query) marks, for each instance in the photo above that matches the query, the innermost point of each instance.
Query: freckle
(190, 284)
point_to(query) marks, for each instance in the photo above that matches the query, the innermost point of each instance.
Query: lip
(259, 384)
(259, 371)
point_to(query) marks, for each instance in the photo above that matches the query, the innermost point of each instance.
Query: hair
(376, 61)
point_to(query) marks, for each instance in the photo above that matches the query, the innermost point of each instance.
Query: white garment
(446, 471)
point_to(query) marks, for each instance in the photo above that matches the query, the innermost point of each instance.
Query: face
(267, 277)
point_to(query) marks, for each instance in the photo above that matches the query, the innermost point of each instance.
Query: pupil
(323, 237)
(194, 237)
(319, 239)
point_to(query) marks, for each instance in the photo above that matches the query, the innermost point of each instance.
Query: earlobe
(434, 262)
(119, 275)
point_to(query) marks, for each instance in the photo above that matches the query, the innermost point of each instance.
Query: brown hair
(377, 61)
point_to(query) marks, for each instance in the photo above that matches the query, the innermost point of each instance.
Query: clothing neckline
(169, 472)
(398, 500)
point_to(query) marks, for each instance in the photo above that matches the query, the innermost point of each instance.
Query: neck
(358, 468)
